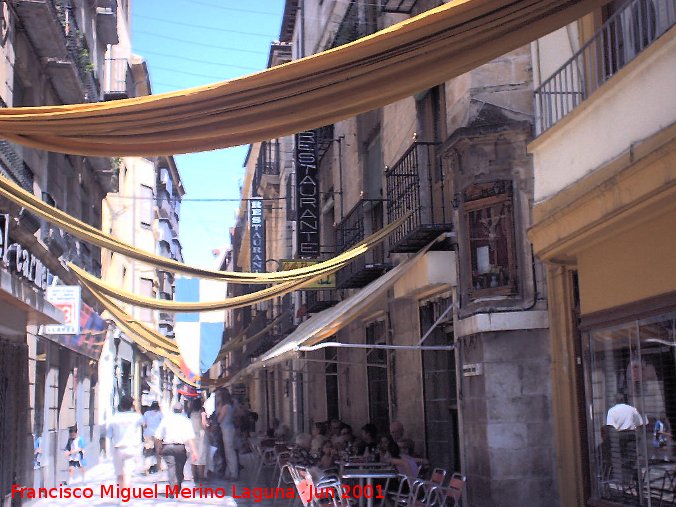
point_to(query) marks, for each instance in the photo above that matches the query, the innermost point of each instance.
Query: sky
(190, 43)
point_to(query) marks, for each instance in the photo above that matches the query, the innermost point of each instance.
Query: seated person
(369, 441)
(327, 458)
(404, 463)
(300, 454)
(318, 437)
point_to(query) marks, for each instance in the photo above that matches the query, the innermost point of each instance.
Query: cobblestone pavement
(101, 480)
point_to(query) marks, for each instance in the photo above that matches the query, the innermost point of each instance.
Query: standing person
(200, 424)
(125, 436)
(625, 419)
(151, 420)
(226, 414)
(173, 435)
(74, 452)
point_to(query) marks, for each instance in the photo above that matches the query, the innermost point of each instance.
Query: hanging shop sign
(328, 282)
(20, 260)
(67, 299)
(91, 335)
(307, 194)
(257, 236)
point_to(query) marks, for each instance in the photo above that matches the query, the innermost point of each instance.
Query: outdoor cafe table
(367, 472)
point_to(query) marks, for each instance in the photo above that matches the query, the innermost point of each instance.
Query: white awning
(327, 323)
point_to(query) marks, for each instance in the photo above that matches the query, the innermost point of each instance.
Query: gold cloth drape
(311, 92)
(97, 237)
(199, 306)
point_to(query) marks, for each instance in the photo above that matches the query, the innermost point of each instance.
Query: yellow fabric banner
(97, 237)
(311, 92)
(201, 306)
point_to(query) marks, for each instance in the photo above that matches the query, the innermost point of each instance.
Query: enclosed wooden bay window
(489, 223)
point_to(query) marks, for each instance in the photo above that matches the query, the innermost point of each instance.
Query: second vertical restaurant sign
(307, 194)
(257, 225)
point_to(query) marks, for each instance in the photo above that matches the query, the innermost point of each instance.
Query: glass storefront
(631, 406)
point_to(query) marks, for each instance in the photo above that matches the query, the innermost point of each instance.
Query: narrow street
(101, 480)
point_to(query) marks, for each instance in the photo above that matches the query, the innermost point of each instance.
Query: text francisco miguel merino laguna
(257, 494)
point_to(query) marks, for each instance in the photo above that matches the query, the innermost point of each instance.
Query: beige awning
(327, 323)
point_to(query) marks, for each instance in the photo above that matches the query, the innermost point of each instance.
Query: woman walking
(198, 418)
(226, 413)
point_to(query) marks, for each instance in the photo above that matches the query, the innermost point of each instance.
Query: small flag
(199, 335)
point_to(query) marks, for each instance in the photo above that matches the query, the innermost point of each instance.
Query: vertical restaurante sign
(257, 237)
(307, 194)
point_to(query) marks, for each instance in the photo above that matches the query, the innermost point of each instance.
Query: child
(74, 452)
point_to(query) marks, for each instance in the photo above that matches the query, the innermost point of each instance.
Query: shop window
(489, 222)
(632, 406)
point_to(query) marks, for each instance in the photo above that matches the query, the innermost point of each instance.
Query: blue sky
(196, 42)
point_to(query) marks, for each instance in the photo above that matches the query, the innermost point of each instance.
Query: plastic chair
(442, 496)
(438, 476)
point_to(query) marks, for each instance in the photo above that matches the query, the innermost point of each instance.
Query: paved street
(102, 482)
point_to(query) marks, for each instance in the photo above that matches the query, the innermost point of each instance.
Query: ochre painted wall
(633, 265)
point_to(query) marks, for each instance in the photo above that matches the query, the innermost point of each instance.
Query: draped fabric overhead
(97, 237)
(318, 90)
(202, 306)
(152, 340)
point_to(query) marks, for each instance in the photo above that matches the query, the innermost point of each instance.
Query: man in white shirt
(623, 416)
(173, 435)
(124, 431)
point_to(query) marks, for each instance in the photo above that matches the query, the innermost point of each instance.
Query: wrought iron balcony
(352, 26)
(319, 300)
(118, 79)
(266, 173)
(416, 184)
(176, 250)
(164, 249)
(166, 207)
(14, 167)
(621, 38)
(58, 41)
(325, 137)
(398, 6)
(364, 219)
(41, 20)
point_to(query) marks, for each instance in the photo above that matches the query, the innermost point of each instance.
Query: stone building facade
(457, 284)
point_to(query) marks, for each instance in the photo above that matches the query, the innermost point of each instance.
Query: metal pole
(309, 348)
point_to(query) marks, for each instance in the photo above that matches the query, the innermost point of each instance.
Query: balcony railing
(325, 137)
(621, 38)
(398, 6)
(416, 184)
(362, 220)
(118, 80)
(267, 166)
(352, 26)
(319, 300)
(166, 207)
(80, 54)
